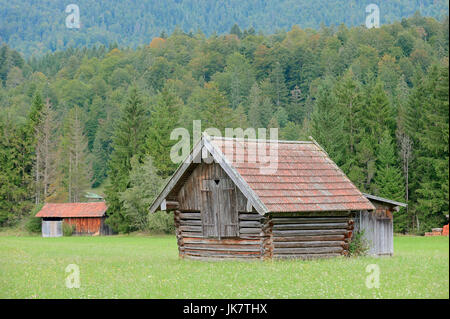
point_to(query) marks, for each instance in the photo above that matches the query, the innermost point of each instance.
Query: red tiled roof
(96, 209)
(306, 179)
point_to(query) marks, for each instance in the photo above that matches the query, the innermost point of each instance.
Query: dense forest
(37, 27)
(375, 99)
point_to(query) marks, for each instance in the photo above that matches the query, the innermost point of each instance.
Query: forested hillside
(36, 27)
(377, 100)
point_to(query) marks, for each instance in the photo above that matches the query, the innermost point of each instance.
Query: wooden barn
(88, 218)
(378, 225)
(233, 208)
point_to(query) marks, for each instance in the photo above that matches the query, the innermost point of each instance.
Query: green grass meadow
(149, 267)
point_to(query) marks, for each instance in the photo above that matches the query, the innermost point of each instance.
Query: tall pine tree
(128, 142)
(73, 175)
(163, 120)
(44, 164)
(433, 153)
(327, 122)
(388, 179)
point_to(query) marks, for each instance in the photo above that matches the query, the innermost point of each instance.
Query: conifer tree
(266, 111)
(163, 120)
(377, 114)
(388, 180)
(254, 117)
(210, 106)
(296, 108)
(405, 150)
(17, 156)
(349, 100)
(128, 142)
(102, 150)
(44, 163)
(74, 171)
(281, 116)
(327, 122)
(34, 116)
(236, 30)
(261, 109)
(144, 187)
(274, 86)
(349, 103)
(33, 124)
(15, 173)
(375, 117)
(433, 157)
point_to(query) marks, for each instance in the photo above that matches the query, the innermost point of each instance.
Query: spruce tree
(163, 120)
(327, 122)
(102, 150)
(128, 142)
(349, 101)
(261, 109)
(388, 179)
(375, 117)
(296, 107)
(254, 116)
(274, 86)
(377, 114)
(79, 161)
(433, 189)
(236, 30)
(15, 173)
(35, 113)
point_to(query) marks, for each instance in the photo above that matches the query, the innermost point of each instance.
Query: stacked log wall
(265, 237)
(192, 244)
(314, 236)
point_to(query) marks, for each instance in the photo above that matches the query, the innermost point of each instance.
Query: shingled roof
(95, 209)
(305, 179)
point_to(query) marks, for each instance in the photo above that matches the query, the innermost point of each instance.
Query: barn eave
(390, 202)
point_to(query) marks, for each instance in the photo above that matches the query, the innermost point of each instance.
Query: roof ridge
(257, 140)
(75, 203)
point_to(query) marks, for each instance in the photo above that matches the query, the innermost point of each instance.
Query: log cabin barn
(88, 218)
(230, 207)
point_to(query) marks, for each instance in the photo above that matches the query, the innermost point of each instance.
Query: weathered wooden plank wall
(378, 230)
(104, 228)
(85, 225)
(190, 194)
(52, 228)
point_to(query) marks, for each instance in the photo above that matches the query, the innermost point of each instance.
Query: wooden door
(378, 231)
(219, 209)
(385, 236)
(52, 228)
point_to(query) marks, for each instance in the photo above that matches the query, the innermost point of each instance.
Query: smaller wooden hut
(88, 218)
(378, 225)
